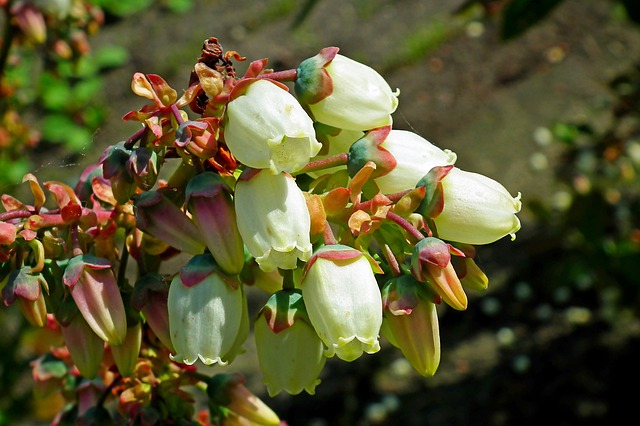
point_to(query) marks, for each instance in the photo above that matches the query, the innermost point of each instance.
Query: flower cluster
(354, 228)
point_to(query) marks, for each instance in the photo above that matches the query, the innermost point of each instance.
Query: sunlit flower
(343, 93)
(414, 156)
(477, 209)
(273, 219)
(266, 128)
(343, 301)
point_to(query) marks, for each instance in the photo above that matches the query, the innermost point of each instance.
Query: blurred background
(543, 96)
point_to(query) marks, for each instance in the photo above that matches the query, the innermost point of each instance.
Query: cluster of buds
(355, 229)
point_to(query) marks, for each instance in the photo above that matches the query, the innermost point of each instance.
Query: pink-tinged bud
(228, 391)
(31, 22)
(471, 276)
(94, 288)
(266, 128)
(143, 167)
(150, 295)
(205, 313)
(116, 168)
(431, 263)
(85, 347)
(343, 93)
(343, 301)
(8, 233)
(26, 288)
(126, 354)
(84, 186)
(283, 331)
(273, 219)
(411, 323)
(198, 137)
(157, 215)
(209, 201)
(368, 149)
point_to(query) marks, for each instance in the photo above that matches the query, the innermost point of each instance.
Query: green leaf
(59, 128)
(13, 169)
(122, 8)
(111, 57)
(179, 6)
(56, 93)
(85, 91)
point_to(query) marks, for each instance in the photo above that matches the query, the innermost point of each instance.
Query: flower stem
(394, 198)
(327, 234)
(392, 260)
(14, 214)
(75, 240)
(122, 269)
(135, 138)
(285, 75)
(406, 225)
(325, 163)
(176, 114)
(287, 279)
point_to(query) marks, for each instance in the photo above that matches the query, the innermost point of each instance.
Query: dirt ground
(469, 92)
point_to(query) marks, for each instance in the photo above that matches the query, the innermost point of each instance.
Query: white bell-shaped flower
(266, 128)
(477, 209)
(205, 313)
(343, 301)
(273, 219)
(414, 156)
(344, 93)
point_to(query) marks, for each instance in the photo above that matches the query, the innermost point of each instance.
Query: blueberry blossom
(290, 352)
(411, 323)
(475, 209)
(205, 312)
(344, 93)
(402, 158)
(93, 287)
(273, 219)
(85, 347)
(431, 263)
(266, 128)
(26, 288)
(209, 201)
(126, 354)
(158, 216)
(343, 301)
